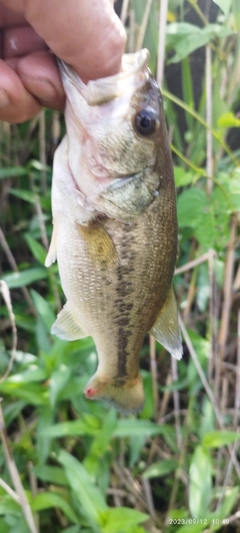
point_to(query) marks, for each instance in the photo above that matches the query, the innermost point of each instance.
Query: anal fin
(166, 327)
(66, 326)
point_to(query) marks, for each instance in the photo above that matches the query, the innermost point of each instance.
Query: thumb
(87, 34)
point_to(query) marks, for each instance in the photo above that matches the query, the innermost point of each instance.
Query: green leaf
(4, 527)
(228, 120)
(16, 280)
(45, 420)
(53, 474)
(101, 470)
(12, 410)
(44, 310)
(59, 379)
(8, 505)
(160, 468)
(224, 5)
(151, 34)
(131, 427)
(36, 248)
(91, 500)
(203, 288)
(207, 215)
(207, 419)
(12, 172)
(23, 194)
(102, 439)
(26, 323)
(234, 182)
(75, 427)
(220, 516)
(182, 177)
(74, 529)
(202, 348)
(230, 499)
(18, 525)
(121, 519)
(46, 500)
(236, 14)
(191, 205)
(200, 482)
(94, 462)
(185, 38)
(187, 87)
(219, 107)
(135, 449)
(216, 439)
(37, 165)
(32, 374)
(34, 393)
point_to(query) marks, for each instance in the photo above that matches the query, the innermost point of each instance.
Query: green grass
(175, 467)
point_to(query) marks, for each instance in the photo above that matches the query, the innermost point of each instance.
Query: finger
(10, 18)
(87, 33)
(20, 41)
(40, 76)
(16, 103)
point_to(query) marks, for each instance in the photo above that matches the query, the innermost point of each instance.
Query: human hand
(84, 33)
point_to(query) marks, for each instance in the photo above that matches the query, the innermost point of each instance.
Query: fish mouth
(95, 92)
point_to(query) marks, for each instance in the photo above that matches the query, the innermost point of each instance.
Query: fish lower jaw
(126, 396)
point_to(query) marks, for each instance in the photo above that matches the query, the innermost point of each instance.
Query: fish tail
(126, 396)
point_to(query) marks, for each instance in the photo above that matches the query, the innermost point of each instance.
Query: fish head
(115, 127)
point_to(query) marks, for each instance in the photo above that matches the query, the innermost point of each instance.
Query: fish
(115, 234)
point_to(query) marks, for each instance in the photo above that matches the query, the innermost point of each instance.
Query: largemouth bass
(115, 225)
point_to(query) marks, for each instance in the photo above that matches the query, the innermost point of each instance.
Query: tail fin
(127, 396)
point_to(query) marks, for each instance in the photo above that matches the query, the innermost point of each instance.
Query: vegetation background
(69, 465)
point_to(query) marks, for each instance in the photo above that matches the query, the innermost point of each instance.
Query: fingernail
(4, 99)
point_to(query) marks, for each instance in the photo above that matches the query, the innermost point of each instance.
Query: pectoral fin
(100, 248)
(166, 327)
(66, 326)
(52, 252)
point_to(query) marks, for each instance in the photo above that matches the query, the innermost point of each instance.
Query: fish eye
(146, 121)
